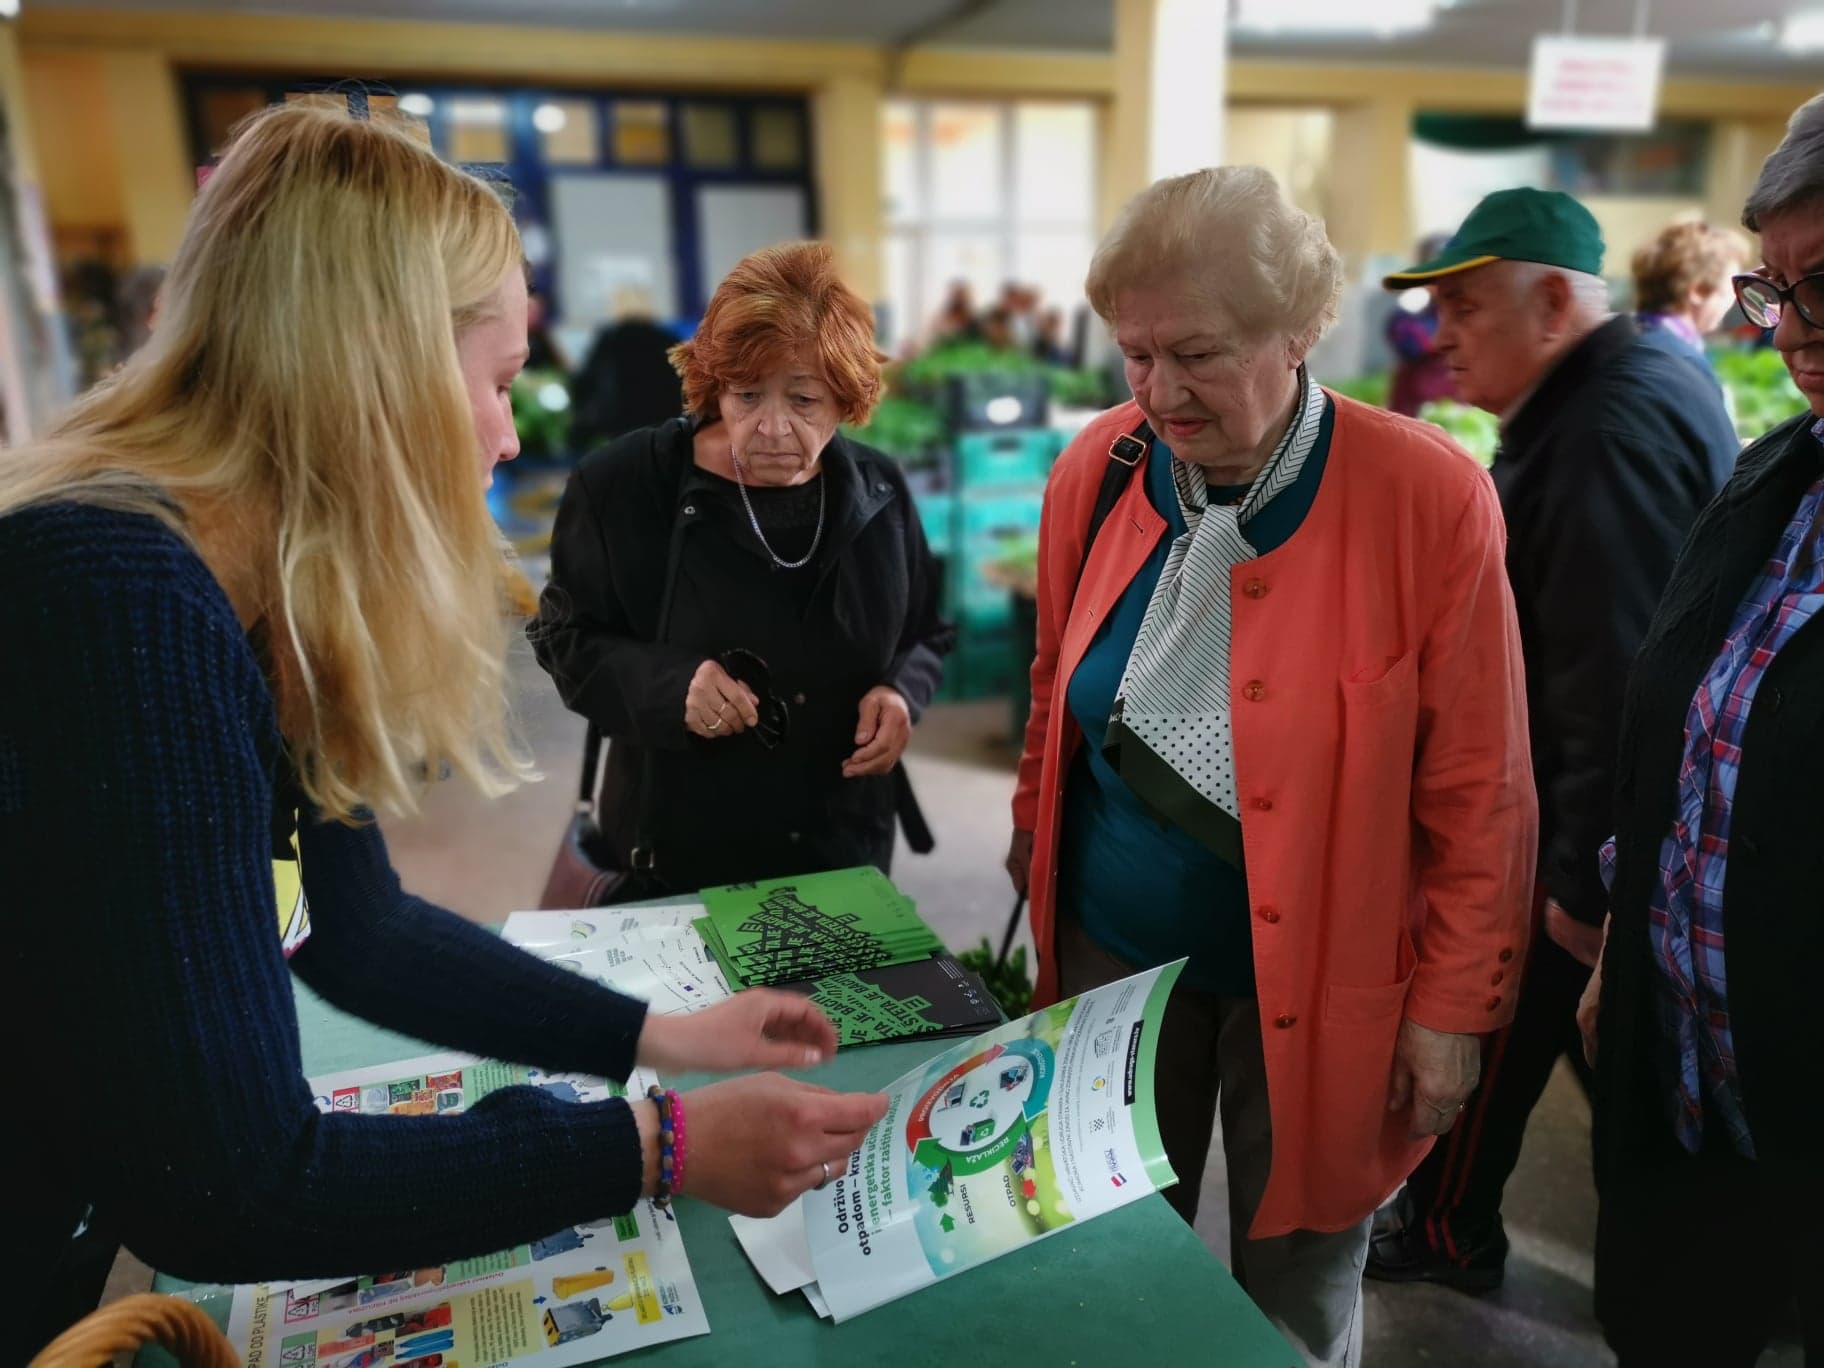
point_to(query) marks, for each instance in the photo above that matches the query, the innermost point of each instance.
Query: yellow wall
(846, 114)
(74, 136)
(124, 156)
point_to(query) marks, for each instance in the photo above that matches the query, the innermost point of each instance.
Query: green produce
(1476, 431)
(1367, 389)
(541, 413)
(902, 427)
(1760, 389)
(1010, 984)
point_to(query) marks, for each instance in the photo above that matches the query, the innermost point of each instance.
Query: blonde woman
(248, 592)
(1682, 285)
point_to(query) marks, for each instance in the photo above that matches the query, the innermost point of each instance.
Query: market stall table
(1134, 1286)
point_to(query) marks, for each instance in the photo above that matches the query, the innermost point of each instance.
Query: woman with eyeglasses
(1702, 1018)
(742, 600)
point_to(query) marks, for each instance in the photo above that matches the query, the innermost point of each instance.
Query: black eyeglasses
(1762, 301)
(775, 718)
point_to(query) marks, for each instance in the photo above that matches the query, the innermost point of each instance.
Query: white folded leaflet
(993, 1143)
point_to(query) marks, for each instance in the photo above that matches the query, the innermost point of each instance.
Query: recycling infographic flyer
(578, 1295)
(1004, 1139)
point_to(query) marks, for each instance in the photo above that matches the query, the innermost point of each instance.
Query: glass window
(567, 132)
(977, 259)
(966, 170)
(388, 107)
(221, 109)
(642, 132)
(903, 311)
(709, 136)
(899, 133)
(323, 99)
(478, 129)
(778, 140)
(1054, 162)
(1055, 261)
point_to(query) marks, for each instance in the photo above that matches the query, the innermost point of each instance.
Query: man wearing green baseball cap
(1609, 450)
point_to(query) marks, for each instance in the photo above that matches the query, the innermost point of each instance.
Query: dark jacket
(864, 613)
(1773, 901)
(1601, 474)
(627, 382)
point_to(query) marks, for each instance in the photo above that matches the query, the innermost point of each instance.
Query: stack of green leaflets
(852, 943)
(787, 930)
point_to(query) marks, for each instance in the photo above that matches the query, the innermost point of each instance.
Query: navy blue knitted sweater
(149, 1005)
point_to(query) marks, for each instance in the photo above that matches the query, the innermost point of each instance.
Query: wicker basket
(181, 1326)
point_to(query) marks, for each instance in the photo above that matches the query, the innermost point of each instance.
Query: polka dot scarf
(1170, 736)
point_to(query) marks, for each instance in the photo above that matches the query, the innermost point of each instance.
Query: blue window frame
(526, 168)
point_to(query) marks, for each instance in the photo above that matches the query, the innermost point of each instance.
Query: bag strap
(641, 856)
(1126, 454)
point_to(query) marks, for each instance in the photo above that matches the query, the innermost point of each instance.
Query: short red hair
(777, 303)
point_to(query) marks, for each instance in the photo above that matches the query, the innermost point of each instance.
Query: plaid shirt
(1686, 914)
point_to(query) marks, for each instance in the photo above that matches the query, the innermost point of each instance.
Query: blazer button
(1285, 1019)
(1505, 956)
(1498, 976)
(1263, 805)
(794, 837)
(798, 699)
(1254, 691)
(1269, 914)
(1494, 1002)
(1255, 589)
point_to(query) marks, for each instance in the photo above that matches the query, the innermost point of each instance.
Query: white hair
(1228, 234)
(1590, 293)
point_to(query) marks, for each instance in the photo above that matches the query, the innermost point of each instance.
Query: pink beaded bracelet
(671, 1143)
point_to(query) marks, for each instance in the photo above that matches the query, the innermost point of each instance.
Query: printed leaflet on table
(1000, 1140)
(578, 1295)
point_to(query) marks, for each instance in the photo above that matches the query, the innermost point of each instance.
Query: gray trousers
(1308, 1283)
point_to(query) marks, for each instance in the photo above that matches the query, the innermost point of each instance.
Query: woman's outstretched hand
(756, 1143)
(762, 1028)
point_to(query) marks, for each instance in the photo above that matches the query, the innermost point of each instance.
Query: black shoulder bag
(586, 871)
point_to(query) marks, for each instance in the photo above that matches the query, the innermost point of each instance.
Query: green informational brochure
(1021, 1133)
(811, 926)
(934, 997)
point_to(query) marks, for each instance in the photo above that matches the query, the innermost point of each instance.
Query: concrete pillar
(158, 181)
(1369, 203)
(846, 111)
(1171, 77)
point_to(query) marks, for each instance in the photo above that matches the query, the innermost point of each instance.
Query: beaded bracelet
(671, 1143)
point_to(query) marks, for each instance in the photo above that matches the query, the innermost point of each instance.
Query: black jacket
(1601, 474)
(1773, 900)
(864, 613)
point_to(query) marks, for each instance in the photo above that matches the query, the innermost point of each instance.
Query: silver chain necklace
(748, 504)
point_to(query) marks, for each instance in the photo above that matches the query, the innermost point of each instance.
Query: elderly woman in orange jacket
(1278, 728)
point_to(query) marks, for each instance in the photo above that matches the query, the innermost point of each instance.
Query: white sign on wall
(1588, 83)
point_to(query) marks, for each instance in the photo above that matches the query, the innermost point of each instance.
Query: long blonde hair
(304, 381)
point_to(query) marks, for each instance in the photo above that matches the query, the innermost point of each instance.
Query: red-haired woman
(742, 599)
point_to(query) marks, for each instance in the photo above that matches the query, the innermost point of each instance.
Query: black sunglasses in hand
(1762, 301)
(745, 667)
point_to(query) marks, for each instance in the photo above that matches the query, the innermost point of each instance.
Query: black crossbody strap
(1126, 454)
(641, 855)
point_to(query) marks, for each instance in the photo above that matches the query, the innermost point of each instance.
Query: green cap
(1515, 225)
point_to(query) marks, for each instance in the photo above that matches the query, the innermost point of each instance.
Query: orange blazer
(1388, 814)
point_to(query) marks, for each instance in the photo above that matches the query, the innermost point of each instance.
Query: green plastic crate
(1017, 456)
(937, 515)
(1006, 514)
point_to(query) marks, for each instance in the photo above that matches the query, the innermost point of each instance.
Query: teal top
(1144, 891)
